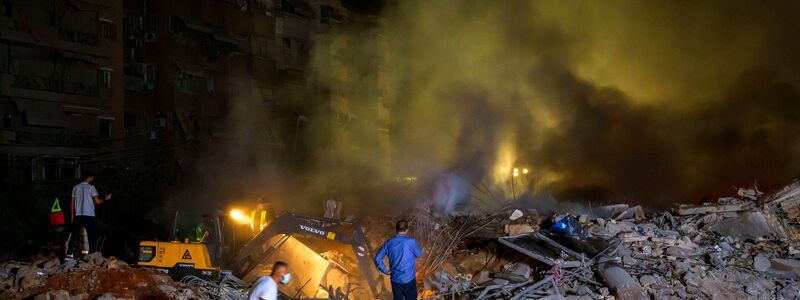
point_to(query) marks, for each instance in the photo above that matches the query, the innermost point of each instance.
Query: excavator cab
(196, 247)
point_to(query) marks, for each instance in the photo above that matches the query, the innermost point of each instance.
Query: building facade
(61, 90)
(117, 85)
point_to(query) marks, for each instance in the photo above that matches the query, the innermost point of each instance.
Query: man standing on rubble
(266, 287)
(402, 251)
(84, 199)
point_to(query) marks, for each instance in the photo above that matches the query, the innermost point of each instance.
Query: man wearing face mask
(266, 287)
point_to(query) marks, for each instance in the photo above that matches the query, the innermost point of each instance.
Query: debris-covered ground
(105, 279)
(742, 247)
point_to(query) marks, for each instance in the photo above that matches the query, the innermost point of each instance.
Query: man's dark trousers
(82, 222)
(405, 291)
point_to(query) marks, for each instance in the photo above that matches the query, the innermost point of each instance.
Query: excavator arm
(259, 250)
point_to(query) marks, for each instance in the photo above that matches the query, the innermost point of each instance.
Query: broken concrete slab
(748, 225)
(684, 210)
(789, 268)
(761, 263)
(517, 229)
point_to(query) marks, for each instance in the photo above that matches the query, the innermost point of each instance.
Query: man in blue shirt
(402, 251)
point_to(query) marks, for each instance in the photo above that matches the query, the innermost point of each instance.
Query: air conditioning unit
(149, 37)
(160, 122)
(151, 135)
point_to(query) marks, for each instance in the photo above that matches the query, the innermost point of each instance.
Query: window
(105, 78)
(298, 47)
(50, 169)
(194, 84)
(8, 9)
(107, 29)
(287, 43)
(286, 6)
(105, 128)
(176, 25)
(69, 169)
(130, 124)
(211, 86)
(327, 14)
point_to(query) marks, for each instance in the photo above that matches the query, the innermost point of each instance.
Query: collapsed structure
(739, 247)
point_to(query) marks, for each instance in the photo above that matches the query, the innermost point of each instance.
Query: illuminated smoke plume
(648, 102)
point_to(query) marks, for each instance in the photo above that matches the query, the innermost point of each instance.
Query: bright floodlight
(239, 217)
(524, 171)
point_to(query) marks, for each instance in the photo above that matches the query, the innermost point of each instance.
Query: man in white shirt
(266, 287)
(330, 208)
(84, 198)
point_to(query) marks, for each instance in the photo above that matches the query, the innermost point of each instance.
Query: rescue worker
(84, 199)
(330, 208)
(266, 287)
(260, 217)
(199, 233)
(402, 251)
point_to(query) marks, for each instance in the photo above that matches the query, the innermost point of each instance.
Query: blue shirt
(402, 251)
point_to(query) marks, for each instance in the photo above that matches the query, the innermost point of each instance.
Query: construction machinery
(184, 254)
(288, 237)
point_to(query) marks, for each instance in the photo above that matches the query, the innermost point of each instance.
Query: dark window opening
(326, 14)
(130, 124)
(287, 43)
(8, 9)
(105, 78)
(105, 128)
(286, 6)
(50, 169)
(69, 170)
(107, 30)
(176, 25)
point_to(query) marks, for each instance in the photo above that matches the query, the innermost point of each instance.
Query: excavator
(289, 238)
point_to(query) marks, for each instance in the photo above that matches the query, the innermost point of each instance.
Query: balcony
(31, 87)
(89, 39)
(33, 82)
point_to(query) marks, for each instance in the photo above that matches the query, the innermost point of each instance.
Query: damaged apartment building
(112, 86)
(61, 93)
(236, 75)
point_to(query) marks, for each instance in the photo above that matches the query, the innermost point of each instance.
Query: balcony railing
(90, 39)
(33, 82)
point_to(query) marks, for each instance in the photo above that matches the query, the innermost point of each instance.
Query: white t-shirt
(84, 194)
(265, 288)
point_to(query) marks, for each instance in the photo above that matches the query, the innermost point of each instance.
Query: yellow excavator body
(178, 259)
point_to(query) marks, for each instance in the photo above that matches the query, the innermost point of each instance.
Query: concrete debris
(516, 229)
(102, 278)
(761, 263)
(516, 214)
(745, 247)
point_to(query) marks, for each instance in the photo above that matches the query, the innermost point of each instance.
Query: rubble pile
(96, 277)
(744, 247)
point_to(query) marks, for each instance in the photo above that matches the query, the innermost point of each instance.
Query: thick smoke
(639, 102)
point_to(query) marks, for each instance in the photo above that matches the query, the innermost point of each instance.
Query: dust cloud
(621, 101)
